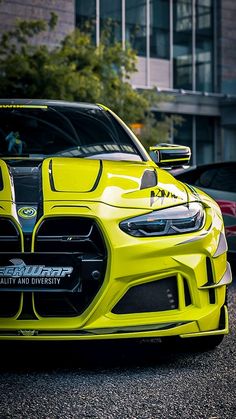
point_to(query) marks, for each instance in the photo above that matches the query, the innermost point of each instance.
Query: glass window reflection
(201, 129)
(110, 19)
(184, 134)
(159, 29)
(205, 139)
(136, 27)
(182, 48)
(204, 45)
(86, 16)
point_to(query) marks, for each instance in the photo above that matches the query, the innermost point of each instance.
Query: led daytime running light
(169, 221)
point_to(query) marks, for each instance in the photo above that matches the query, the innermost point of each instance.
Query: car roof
(48, 102)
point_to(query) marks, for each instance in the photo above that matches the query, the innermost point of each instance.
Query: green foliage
(77, 70)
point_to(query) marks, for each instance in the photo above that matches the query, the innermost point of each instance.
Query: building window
(193, 45)
(204, 45)
(136, 25)
(197, 132)
(86, 16)
(110, 19)
(160, 29)
(204, 139)
(184, 133)
(182, 48)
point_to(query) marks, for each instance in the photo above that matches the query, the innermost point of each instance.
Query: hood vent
(149, 179)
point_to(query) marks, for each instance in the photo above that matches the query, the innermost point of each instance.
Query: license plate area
(40, 272)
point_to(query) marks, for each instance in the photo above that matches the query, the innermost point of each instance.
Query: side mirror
(170, 155)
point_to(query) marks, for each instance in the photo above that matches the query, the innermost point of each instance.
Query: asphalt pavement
(106, 380)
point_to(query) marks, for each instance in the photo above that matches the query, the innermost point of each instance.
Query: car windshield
(68, 131)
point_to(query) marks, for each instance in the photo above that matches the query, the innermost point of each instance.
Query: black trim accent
(212, 297)
(51, 177)
(174, 154)
(27, 312)
(1, 180)
(187, 296)
(210, 278)
(149, 179)
(27, 242)
(27, 183)
(222, 318)
(210, 281)
(40, 202)
(98, 177)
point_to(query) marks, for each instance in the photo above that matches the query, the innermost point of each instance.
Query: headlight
(175, 220)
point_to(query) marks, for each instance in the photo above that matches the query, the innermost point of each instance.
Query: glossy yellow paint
(109, 192)
(118, 184)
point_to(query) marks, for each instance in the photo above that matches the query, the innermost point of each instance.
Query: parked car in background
(219, 181)
(97, 241)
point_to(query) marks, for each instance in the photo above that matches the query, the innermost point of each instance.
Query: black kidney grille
(9, 303)
(9, 236)
(9, 242)
(54, 304)
(69, 234)
(79, 235)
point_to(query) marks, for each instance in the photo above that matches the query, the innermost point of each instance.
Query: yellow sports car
(97, 241)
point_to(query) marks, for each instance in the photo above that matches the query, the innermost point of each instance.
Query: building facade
(185, 48)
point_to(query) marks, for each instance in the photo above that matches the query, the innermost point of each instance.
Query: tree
(76, 70)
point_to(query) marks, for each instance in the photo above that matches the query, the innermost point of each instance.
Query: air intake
(153, 296)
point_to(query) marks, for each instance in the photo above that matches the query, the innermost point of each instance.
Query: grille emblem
(25, 332)
(27, 212)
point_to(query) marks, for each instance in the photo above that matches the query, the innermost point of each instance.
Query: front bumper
(195, 263)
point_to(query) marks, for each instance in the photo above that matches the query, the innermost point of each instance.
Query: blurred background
(179, 85)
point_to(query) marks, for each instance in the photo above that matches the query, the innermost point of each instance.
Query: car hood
(113, 182)
(120, 184)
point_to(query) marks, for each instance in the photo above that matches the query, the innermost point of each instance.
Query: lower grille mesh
(153, 296)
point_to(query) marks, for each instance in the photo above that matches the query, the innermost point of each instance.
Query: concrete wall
(10, 10)
(139, 79)
(160, 73)
(155, 72)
